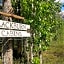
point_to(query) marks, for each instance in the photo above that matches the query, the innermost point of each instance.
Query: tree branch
(12, 15)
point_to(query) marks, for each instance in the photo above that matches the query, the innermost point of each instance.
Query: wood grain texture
(12, 15)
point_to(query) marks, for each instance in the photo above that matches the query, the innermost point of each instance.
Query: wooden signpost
(10, 29)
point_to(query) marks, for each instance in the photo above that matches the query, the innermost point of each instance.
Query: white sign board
(13, 25)
(13, 33)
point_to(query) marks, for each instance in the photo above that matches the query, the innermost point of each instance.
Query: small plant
(36, 60)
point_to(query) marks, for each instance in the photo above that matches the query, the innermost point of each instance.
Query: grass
(55, 53)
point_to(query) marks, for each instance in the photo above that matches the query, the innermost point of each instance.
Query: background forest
(45, 46)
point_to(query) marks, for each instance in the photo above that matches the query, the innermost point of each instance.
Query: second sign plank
(13, 33)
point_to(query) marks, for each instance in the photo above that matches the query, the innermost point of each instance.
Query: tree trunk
(27, 53)
(31, 52)
(7, 8)
(40, 55)
(26, 50)
(7, 52)
(31, 46)
(7, 57)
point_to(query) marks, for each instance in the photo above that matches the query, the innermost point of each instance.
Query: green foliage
(36, 60)
(42, 17)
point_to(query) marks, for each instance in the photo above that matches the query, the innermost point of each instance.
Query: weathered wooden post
(7, 51)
